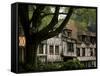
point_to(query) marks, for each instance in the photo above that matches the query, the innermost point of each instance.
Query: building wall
(87, 50)
(88, 60)
(55, 42)
(65, 49)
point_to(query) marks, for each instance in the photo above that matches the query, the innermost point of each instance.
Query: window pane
(78, 51)
(83, 51)
(46, 49)
(91, 51)
(57, 50)
(51, 49)
(83, 38)
(69, 34)
(70, 47)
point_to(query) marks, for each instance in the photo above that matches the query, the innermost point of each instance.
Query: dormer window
(93, 40)
(64, 32)
(83, 38)
(88, 38)
(69, 34)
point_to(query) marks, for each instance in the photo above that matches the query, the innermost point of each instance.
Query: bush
(72, 64)
(68, 65)
(50, 66)
(53, 66)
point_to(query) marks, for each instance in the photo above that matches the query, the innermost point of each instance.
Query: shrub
(72, 64)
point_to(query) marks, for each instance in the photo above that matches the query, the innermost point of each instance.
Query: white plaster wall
(54, 41)
(53, 58)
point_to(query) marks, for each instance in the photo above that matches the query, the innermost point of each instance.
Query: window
(65, 33)
(51, 49)
(93, 40)
(80, 38)
(56, 50)
(69, 34)
(83, 38)
(78, 51)
(91, 51)
(70, 47)
(88, 39)
(45, 49)
(83, 51)
(41, 49)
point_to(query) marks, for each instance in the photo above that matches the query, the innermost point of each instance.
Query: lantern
(22, 41)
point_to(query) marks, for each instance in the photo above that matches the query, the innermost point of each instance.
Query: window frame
(56, 49)
(70, 47)
(51, 52)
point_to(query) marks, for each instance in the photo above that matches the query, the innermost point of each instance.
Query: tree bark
(31, 56)
(34, 55)
(31, 47)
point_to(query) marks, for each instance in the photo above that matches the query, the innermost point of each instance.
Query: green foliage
(49, 66)
(31, 9)
(45, 21)
(72, 64)
(52, 66)
(84, 16)
(68, 65)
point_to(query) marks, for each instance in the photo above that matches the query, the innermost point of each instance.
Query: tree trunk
(31, 55)
(34, 56)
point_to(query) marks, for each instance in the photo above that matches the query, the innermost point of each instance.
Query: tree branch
(59, 29)
(53, 22)
(36, 13)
